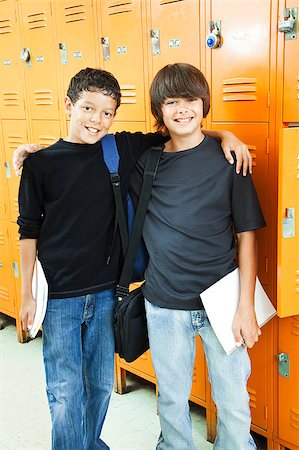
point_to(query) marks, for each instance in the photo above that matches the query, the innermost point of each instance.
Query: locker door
(291, 73)
(256, 138)
(45, 133)
(12, 103)
(41, 68)
(122, 47)
(14, 134)
(15, 258)
(199, 380)
(257, 387)
(288, 224)
(7, 294)
(240, 67)
(75, 37)
(177, 24)
(288, 387)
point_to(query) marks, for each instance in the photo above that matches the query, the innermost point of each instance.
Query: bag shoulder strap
(111, 158)
(149, 175)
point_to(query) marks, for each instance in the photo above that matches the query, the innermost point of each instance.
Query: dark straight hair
(178, 80)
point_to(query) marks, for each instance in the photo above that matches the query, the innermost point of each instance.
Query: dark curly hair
(94, 80)
(178, 80)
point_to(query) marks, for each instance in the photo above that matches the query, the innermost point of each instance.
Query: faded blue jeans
(78, 348)
(171, 336)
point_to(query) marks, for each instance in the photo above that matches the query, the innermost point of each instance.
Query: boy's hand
(229, 143)
(245, 328)
(27, 312)
(21, 153)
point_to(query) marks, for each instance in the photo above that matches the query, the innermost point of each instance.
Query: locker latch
(15, 269)
(7, 169)
(289, 22)
(106, 48)
(155, 37)
(25, 56)
(288, 224)
(63, 48)
(213, 40)
(283, 365)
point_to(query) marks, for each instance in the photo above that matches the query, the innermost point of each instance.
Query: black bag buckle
(121, 292)
(115, 178)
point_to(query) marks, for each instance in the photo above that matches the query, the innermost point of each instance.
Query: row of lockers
(48, 41)
(253, 75)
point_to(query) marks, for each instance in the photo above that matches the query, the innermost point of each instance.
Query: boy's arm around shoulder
(21, 153)
(28, 255)
(245, 327)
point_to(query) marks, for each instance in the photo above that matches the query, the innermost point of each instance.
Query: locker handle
(15, 269)
(1, 265)
(7, 169)
(155, 37)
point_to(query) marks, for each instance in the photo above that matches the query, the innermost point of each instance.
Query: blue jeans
(171, 336)
(78, 348)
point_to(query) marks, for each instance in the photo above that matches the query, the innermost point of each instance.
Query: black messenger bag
(130, 327)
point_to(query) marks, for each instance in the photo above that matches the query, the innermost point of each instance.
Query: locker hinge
(7, 169)
(155, 37)
(15, 269)
(106, 48)
(283, 365)
(267, 146)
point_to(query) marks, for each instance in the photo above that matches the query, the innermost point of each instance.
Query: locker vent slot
(295, 326)
(11, 98)
(128, 93)
(165, 2)
(43, 97)
(239, 89)
(46, 139)
(37, 20)
(17, 244)
(252, 397)
(252, 149)
(4, 294)
(294, 418)
(75, 13)
(2, 242)
(16, 205)
(5, 26)
(14, 140)
(119, 7)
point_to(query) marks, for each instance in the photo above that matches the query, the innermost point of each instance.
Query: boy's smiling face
(183, 116)
(91, 117)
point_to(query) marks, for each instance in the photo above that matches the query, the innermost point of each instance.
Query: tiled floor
(131, 423)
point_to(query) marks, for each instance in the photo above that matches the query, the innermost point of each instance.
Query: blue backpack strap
(110, 153)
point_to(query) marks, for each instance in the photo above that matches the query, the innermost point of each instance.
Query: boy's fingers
(228, 154)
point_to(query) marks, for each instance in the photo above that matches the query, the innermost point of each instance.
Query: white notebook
(221, 301)
(40, 295)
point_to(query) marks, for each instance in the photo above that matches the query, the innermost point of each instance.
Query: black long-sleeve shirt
(66, 203)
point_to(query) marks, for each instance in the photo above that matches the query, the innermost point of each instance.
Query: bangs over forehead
(178, 81)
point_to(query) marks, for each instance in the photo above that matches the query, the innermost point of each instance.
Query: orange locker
(288, 224)
(288, 376)
(46, 132)
(2, 193)
(39, 58)
(75, 44)
(12, 102)
(14, 134)
(240, 67)
(198, 391)
(15, 261)
(7, 294)
(291, 66)
(132, 127)
(123, 54)
(256, 137)
(174, 35)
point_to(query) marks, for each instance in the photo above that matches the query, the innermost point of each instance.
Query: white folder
(221, 301)
(40, 295)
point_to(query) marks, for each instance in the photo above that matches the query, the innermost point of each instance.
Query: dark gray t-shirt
(197, 200)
